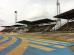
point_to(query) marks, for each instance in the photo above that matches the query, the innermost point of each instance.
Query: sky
(30, 9)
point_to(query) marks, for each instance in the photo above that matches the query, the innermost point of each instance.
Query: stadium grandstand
(27, 24)
(7, 29)
(14, 28)
(42, 25)
(38, 25)
(69, 16)
(18, 28)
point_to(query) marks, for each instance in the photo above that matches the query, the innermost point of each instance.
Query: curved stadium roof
(36, 22)
(66, 15)
(24, 22)
(43, 21)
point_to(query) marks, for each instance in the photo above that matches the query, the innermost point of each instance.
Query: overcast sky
(30, 9)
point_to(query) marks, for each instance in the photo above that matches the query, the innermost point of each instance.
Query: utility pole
(15, 17)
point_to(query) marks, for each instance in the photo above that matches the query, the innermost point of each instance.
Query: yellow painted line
(43, 43)
(58, 46)
(7, 44)
(61, 42)
(39, 42)
(42, 47)
(19, 50)
(3, 39)
(47, 44)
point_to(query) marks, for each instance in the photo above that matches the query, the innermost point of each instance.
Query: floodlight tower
(58, 11)
(58, 7)
(15, 16)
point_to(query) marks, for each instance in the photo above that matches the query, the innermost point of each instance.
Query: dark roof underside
(17, 25)
(42, 21)
(66, 15)
(24, 22)
(6, 26)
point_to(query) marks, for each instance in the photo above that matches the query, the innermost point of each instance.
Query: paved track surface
(32, 46)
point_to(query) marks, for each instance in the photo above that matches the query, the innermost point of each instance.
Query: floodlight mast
(58, 7)
(15, 17)
(58, 11)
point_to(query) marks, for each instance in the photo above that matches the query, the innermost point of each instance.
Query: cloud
(30, 9)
